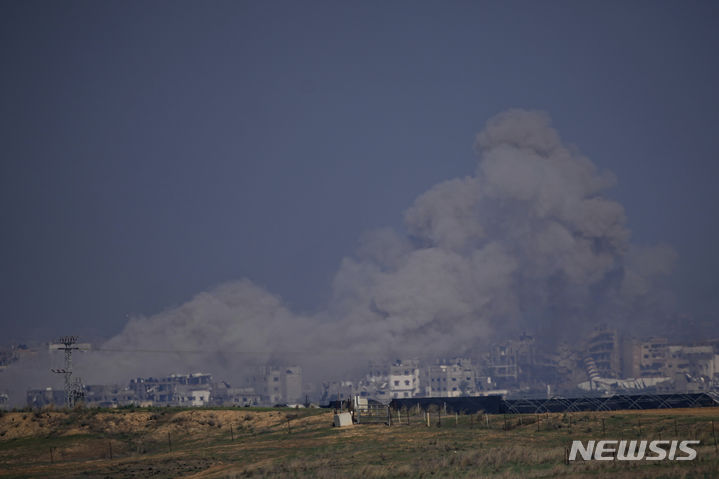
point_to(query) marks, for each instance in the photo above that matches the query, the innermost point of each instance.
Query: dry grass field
(300, 443)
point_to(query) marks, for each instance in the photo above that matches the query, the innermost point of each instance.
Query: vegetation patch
(300, 443)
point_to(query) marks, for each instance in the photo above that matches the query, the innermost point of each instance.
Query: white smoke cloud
(528, 242)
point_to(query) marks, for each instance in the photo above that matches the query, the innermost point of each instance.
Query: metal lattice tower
(73, 388)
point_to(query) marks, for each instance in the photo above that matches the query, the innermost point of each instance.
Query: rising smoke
(527, 243)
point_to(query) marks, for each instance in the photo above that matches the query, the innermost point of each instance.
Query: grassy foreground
(238, 443)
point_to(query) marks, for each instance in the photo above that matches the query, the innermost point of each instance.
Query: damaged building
(174, 390)
(453, 378)
(278, 384)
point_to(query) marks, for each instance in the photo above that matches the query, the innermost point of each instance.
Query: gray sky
(151, 150)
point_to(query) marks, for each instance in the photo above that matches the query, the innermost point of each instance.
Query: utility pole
(73, 388)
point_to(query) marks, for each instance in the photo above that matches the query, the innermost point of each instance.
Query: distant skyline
(154, 150)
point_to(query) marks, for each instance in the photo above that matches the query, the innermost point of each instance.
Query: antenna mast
(73, 388)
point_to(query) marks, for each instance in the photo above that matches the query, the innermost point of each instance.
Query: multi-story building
(507, 362)
(653, 356)
(225, 395)
(45, 397)
(277, 385)
(108, 395)
(693, 361)
(386, 381)
(604, 351)
(344, 390)
(404, 378)
(450, 379)
(174, 390)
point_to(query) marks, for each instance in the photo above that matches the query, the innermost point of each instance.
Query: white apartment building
(404, 379)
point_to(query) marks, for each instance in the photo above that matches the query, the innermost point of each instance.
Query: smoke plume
(528, 242)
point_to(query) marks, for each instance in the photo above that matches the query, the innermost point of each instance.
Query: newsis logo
(633, 450)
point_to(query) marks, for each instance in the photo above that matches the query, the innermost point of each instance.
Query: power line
(73, 388)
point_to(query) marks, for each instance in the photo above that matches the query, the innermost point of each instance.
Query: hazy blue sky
(150, 150)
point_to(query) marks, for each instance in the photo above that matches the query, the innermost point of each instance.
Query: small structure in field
(343, 419)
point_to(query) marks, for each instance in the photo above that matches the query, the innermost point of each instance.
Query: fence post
(714, 434)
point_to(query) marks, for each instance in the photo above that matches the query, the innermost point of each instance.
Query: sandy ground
(16, 425)
(198, 443)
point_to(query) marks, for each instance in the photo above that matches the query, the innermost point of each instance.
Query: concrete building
(225, 395)
(278, 385)
(174, 390)
(653, 356)
(693, 361)
(344, 390)
(188, 390)
(603, 349)
(404, 379)
(507, 362)
(38, 398)
(452, 378)
(385, 381)
(109, 395)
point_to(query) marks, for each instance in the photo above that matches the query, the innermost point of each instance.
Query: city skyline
(197, 188)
